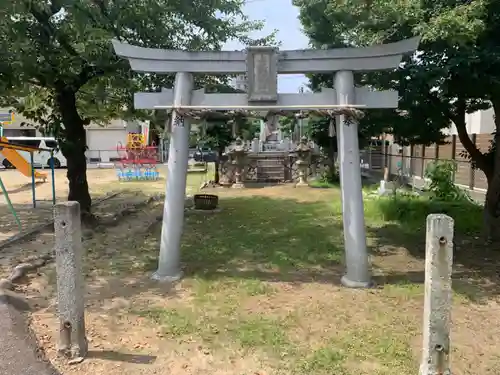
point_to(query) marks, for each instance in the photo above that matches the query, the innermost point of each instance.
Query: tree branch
(105, 13)
(459, 120)
(35, 82)
(86, 74)
(43, 18)
(89, 72)
(496, 109)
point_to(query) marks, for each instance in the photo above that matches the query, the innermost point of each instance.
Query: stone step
(271, 155)
(270, 160)
(269, 178)
(272, 166)
(273, 174)
(271, 170)
(269, 163)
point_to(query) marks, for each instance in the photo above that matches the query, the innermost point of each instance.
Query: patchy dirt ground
(261, 293)
(20, 193)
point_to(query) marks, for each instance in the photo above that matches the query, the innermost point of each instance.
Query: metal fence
(408, 161)
(403, 161)
(104, 158)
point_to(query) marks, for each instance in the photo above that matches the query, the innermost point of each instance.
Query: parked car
(205, 155)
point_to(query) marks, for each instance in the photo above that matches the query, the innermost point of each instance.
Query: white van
(41, 159)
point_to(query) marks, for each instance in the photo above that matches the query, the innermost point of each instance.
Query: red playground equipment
(138, 161)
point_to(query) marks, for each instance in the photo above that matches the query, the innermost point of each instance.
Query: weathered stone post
(358, 273)
(173, 210)
(68, 248)
(438, 295)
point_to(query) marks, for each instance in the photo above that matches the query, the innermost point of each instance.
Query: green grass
(322, 184)
(240, 262)
(327, 360)
(193, 182)
(271, 233)
(264, 333)
(411, 212)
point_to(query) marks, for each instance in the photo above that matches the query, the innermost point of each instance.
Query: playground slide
(20, 163)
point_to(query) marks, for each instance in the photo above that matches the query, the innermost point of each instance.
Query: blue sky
(283, 16)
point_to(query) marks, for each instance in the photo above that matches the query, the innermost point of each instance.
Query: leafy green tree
(456, 71)
(58, 67)
(287, 124)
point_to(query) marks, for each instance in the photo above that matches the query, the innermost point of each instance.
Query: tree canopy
(456, 70)
(440, 83)
(58, 67)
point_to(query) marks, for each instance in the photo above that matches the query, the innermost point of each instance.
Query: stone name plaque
(262, 74)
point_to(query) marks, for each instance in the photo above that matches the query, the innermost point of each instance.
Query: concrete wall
(16, 130)
(103, 141)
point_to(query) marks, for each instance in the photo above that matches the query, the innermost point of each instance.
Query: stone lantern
(303, 152)
(237, 152)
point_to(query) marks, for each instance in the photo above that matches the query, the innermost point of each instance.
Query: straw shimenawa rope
(353, 114)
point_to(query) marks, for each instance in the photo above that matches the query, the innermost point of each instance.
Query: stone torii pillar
(357, 261)
(177, 166)
(261, 66)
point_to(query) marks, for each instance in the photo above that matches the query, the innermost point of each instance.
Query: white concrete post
(262, 135)
(384, 152)
(438, 295)
(173, 211)
(358, 273)
(72, 341)
(255, 145)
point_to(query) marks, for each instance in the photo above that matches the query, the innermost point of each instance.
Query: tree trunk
(491, 211)
(492, 201)
(73, 149)
(217, 173)
(217, 167)
(332, 160)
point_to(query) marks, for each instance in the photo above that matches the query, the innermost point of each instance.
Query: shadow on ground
(25, 187)
(115, 356)
(276, 239)
(284, 240)
(28, 216)
(251, 237)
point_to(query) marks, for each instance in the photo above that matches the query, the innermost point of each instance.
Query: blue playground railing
(137, 173)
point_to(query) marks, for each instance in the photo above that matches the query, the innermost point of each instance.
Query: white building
(103, 142)
(479, 122)
(16, 130)
(240, 82)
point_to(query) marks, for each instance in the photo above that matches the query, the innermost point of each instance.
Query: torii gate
(262, 65)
